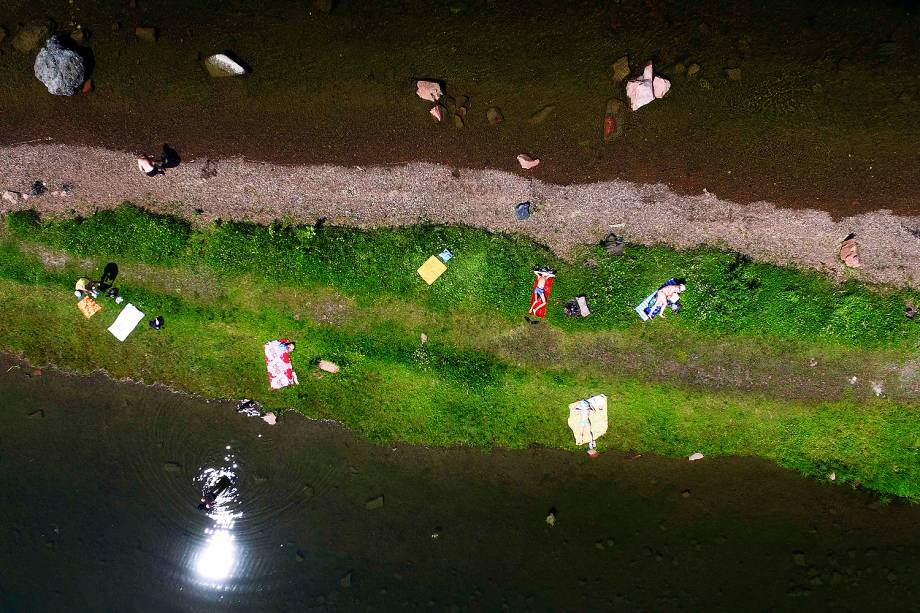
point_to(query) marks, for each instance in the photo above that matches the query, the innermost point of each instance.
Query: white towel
(126, 321)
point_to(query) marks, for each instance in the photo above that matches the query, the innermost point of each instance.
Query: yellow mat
(432, 269)
(597, 420)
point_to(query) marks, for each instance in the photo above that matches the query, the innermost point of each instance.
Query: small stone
(260, 478)
(705, 84)
(679, 69)
(892, 577)
(812, 362)
(799, 558)
(146, 34)
(38, 414)
(30, 37)
(458, 120)
(299, 556)
(307, 491)
(328, 366)
(685, 493)
(323, 6)
(733, 74)
(297, 316)
(619, 70)
(541, 115)
(172, 467)
(853, 380)
(696, 456)
(423, 337)
(551, 519)
(832, 476)
(116, 26)
(599, 545)
(494, 116)
(37, 372)
(878, 388)
(345, 581)
(374, 503)
(220, 65)
(78, 35)
(10, 196)
(693, 70)
(270, 418)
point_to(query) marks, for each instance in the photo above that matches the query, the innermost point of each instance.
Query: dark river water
(99, 483)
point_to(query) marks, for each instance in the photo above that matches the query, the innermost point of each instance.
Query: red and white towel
(278, 363)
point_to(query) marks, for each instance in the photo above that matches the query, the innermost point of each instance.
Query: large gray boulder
(59, 68)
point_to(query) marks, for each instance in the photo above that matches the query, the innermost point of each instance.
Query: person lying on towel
(584, 410)
(666, 295)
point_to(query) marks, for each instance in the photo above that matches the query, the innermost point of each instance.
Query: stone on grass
(693, 70)
(646, 88)
(374, 503)
(541, 115)
(494, 116)
(59, 69)
(146, 33)
(551, 518)
(428, 90)
(696, 456)
(733, 74)
(619, 70)
(30, 37)
(172, 467)
(220, 65)
(436, 112)
(270, 419)
(328, 366)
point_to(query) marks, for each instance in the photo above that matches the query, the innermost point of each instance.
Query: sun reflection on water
(216, 561)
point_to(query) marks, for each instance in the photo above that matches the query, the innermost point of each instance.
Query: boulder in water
(30, 37)
(221, 65)
(59, 68)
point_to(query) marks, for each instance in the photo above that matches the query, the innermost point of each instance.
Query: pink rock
(328, 366)
(429, 90)
(646, 88)
(696, 456)
(270, 419)
(526, 161)
(144, 164)
(849, 253)
(436, 112)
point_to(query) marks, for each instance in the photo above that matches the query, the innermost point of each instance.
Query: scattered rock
(733, 74)
(541, 115)
(345, 581)
(832, 476)
(812, 362)
(853, 380)
(30, 37)
(38, 414)
(878, 388)
(848, 251)
(146, 33)
(299, 556)
(527, 162)
(696, 456)
(685, 493)
(59, 69)
(551, 518)
(458, 118)
(619, 70)
(374, 503)
(116, 26)
(270, 419)
(260, 478)
(172, 467)
(423, 337)
(646, 88)
(494, 116)
(910, 310)
(613, 244)
(328, 366)
(599, 545)
(79, 35)
(679, 69)
(10, 196)
(705, 84)
(308, 491)
(436, 113)
(220, 65)
(522, 211)
(429, 90)
(323, 6)
(693, 70)
(799, 558)
(87, 87)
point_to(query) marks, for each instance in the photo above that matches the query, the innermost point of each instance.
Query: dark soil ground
(823, 117)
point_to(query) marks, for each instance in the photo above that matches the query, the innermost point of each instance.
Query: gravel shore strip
(563, 217)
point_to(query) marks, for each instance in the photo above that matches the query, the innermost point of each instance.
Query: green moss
(458, 388)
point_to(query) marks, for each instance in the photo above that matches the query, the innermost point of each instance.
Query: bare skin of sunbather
(584, 410)
(664, 296)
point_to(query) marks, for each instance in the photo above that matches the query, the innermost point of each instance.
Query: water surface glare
(101, 482)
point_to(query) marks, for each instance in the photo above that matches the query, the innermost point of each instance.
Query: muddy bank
(104, 478)
(564, 217)
(823, 116)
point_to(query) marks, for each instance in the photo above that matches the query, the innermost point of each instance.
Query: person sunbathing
(584, 409)
(669, 295)
(539, 290)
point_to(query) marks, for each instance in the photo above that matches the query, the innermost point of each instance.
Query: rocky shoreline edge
(563, 217)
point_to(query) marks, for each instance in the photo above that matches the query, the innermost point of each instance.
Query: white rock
(527, 162)
(878, 388)
(270, 419)
(646, 88)
(219, 65)
(11, 197)
(436, 112)
(696, 456)
(428, 90)
(853, 380)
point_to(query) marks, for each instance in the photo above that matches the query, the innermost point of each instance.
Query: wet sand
(824, 116)
(102, 516)
(564, 217)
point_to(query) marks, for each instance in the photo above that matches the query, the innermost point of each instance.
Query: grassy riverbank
(754, 364)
